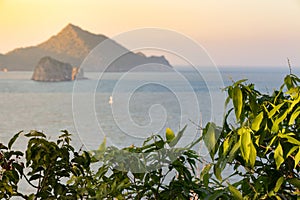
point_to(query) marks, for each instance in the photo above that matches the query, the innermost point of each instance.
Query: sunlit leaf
(245, 143)
(275, 109)
(294, 116)
(235, 192)
(278, 155)
(209, 137)
(278, 184)
(257, 121)
(297, 158)
(237, 98)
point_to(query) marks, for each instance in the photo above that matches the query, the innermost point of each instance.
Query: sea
(124, 108)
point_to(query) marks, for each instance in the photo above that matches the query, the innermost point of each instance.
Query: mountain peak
(73, 41)
(72, 27)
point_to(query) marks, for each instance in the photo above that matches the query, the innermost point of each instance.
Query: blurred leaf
(178, 137)
(278, 184)
(235, 193)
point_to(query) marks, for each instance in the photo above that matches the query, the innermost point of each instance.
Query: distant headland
(71, 45)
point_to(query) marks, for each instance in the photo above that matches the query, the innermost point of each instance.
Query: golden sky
(234, 32)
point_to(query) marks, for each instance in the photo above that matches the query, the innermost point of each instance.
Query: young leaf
(237, 98)
(257, 121)
(209, 137)
(278, 184)
(297, 158)
(278, 155)
(294, 116)
(245, 143)
(275, 109)
(252, 157)
(235, 192)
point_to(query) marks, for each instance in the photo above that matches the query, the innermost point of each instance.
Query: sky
(233, 32)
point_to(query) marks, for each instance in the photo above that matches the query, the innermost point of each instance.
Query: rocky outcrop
(49, 69)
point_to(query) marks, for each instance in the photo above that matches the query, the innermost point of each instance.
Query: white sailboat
(110, 100)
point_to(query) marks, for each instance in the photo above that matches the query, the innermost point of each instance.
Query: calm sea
(124, 108)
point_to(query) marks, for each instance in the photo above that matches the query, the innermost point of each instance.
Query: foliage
(263, 145)
(259, 141)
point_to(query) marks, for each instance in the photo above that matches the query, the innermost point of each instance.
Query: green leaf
(218, 172)
(275, 109)
(297, 158)
(245, 143)
(278, 184)
(205, 170)
(12, 140)
(34, 133)
(233, 151)
(237, 98)
(235, 192)
(290, 139)
(295, 182)
(226, 145)
(257, 121)
(2, 146)
(252, 157)
(209, 137)
(291, 151)
(294, 116)
(178, 137)
(35, 177)
(239, 82)
(278, 156)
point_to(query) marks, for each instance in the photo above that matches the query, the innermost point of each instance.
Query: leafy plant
(263, 144)
(259, 141)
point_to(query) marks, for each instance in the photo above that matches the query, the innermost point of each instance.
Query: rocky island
(52, 70)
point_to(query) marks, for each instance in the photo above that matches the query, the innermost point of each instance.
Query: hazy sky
(234, 32)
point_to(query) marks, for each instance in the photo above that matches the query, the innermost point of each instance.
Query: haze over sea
(47, 106)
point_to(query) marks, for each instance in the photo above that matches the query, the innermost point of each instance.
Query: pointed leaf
(278, 156)
(12, 140)
(209, 137)
(297, 158)
(275, 109)
(235, 192)
(245, 143)
(34, 133)
(178, 137)
(237, 98)
(278, 184)
(294, 116)
(257, 121)
(252, 157)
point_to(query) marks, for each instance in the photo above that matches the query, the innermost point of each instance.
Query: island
(52, 70)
